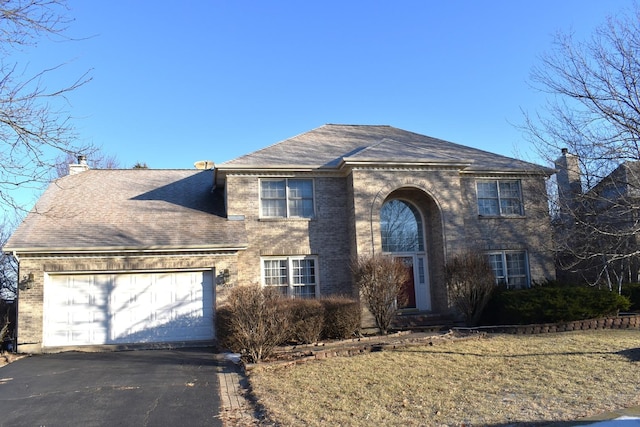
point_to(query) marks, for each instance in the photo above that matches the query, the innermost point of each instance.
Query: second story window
(499, 198)
(286, 198)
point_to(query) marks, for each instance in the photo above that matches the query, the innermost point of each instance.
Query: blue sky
(176, 82)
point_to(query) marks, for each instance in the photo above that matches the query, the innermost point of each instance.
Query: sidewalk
(629, 417)
(235, 409)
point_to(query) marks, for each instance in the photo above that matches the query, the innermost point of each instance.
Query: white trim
(124, 249)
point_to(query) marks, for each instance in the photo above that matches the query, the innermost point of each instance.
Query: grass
(498, 380)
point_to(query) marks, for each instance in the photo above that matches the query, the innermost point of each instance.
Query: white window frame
(288, 197)
(288, 277)
(509, 277)
(499, 198)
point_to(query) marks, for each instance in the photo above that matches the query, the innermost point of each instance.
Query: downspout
(16, 304)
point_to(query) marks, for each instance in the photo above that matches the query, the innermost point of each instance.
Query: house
(597, 222)
(127, 257)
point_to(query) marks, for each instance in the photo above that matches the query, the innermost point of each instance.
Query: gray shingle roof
(129, 209)
(330, 145)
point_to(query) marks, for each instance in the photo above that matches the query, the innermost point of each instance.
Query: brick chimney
(81, 166)
(568, 177)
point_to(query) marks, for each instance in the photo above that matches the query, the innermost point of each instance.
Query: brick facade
(325, 236)
(347, 223)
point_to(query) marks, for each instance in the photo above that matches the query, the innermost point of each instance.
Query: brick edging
(372, 344)
(369, 345)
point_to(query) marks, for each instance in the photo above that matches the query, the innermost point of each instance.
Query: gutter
(541, 171)
(125, 249)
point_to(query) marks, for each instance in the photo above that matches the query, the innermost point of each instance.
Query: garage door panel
(128, 308)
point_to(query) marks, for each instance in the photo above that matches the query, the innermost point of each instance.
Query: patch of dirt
(6, 358)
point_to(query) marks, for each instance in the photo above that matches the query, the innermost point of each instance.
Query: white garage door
(86, 309)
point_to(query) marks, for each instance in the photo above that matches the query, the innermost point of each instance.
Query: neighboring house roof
(624, 180)
(137, 209)
(332, 146)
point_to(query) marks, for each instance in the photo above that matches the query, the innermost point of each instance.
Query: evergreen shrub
(551, 303)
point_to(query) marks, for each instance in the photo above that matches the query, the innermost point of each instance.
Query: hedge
(632, 291)
(551, 303)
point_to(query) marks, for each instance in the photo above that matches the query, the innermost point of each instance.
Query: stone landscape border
(291, 355)
(623, 321)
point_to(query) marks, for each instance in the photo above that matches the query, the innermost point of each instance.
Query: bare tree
(592, 117)
(34, 124)
(470, 283)
(253, 322)
(8, 268)
(380, 280)
(8, 286)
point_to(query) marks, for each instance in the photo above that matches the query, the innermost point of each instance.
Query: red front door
(408, 288)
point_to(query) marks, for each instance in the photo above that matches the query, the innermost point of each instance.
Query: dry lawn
(498, 380)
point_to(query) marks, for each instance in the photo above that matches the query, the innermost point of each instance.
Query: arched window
(401, 227)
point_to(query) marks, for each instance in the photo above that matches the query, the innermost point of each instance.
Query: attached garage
(125, 257)
(126, 308)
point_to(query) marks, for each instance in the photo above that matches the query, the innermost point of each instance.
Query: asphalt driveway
(128, 388)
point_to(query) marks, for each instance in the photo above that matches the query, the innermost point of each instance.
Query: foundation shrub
(470, 283)
(253, 322)
(224, 328)
(342, 317)
(306, 319)
(381, 280)
(7, 324)
(4, 330)
(551, 303)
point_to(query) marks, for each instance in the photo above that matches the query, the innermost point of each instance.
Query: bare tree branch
(35, 126)
(96, 159)
(593, 112)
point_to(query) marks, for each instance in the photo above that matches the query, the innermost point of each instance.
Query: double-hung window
(293, 276)
(499, 198)
(286, 198)
(510, 268)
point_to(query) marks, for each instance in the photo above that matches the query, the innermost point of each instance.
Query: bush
(4, 329)
(470, 283)
(380, 280)
(551, 304)
(252, 322)
(632, 291)
(342, 317)
(306, 317)
(7, 323)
